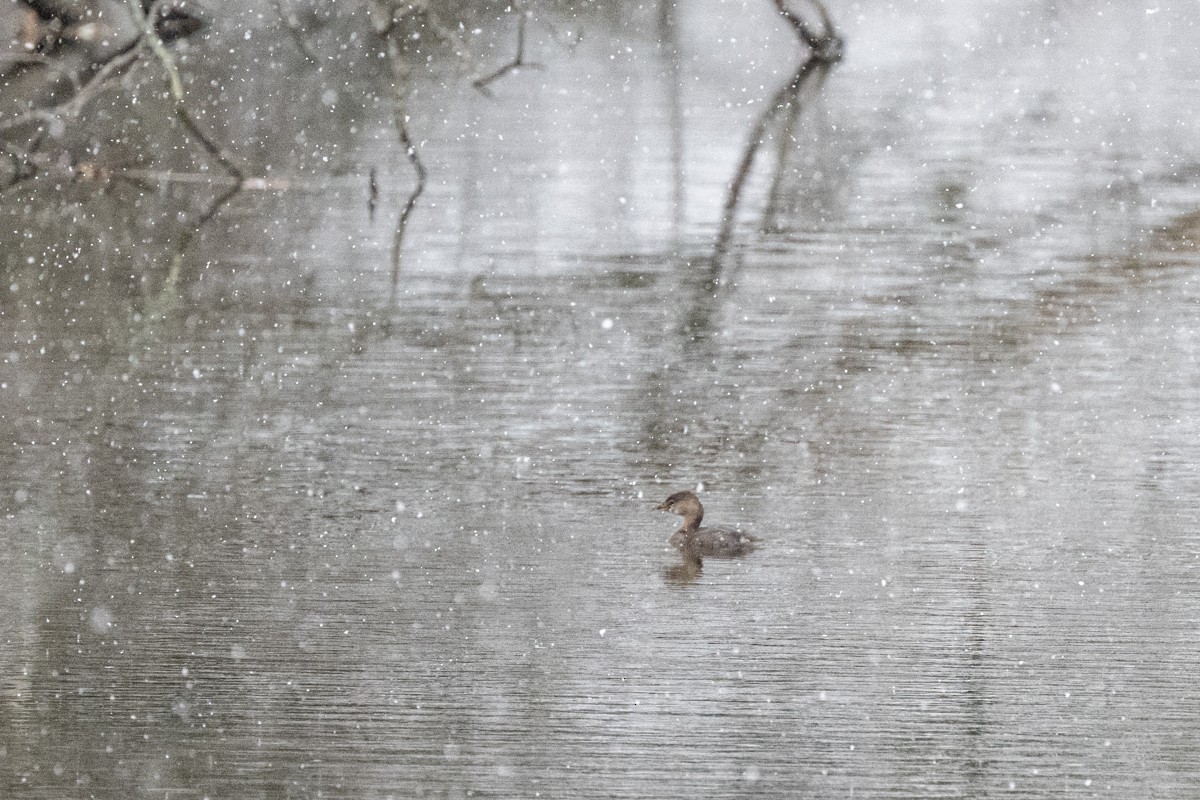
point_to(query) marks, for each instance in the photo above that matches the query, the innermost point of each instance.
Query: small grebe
(695, 542)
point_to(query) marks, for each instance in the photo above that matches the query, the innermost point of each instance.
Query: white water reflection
(285, 543)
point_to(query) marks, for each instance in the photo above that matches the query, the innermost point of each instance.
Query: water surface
(276, 539)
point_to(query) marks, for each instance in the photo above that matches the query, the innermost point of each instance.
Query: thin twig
(826, 46)
(826, 20)
(150, 35)
(372, 194)
(40, 60)
(249, 184)
(414, 158)
(147, 178)
(401, 83)
(210, 147)
(825, 49)
(76, 103)
(787, 139)
(777, 105)
(219, 200)
(798, 24)
(518, 60)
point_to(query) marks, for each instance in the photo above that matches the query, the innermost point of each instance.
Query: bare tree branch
(787, 143)
(150, 35)
(780, 103)
(372, 194)
(518, 60)
(414, 158)
(385, 22)
(210, 147)
(825, 46)
(72, 107)
(38, 59)
(825, 49)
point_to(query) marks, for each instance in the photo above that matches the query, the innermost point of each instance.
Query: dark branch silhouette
(372, 194)
(74, 105)
(414, 158)
(825, 48)
(827, 45)
(388, 21)
(219, 200)
(518, 60)
(153, 36)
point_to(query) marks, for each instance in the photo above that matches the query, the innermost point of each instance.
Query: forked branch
(518, 60)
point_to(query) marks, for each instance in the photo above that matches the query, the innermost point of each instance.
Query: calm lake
(268, 536)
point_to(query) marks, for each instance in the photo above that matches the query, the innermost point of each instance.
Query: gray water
(272, 538)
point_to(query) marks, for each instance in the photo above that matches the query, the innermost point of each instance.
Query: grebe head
(686, 505)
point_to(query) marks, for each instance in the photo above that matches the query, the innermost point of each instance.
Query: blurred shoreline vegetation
(127, 125)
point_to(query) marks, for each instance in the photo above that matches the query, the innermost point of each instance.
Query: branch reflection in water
(825, 48)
